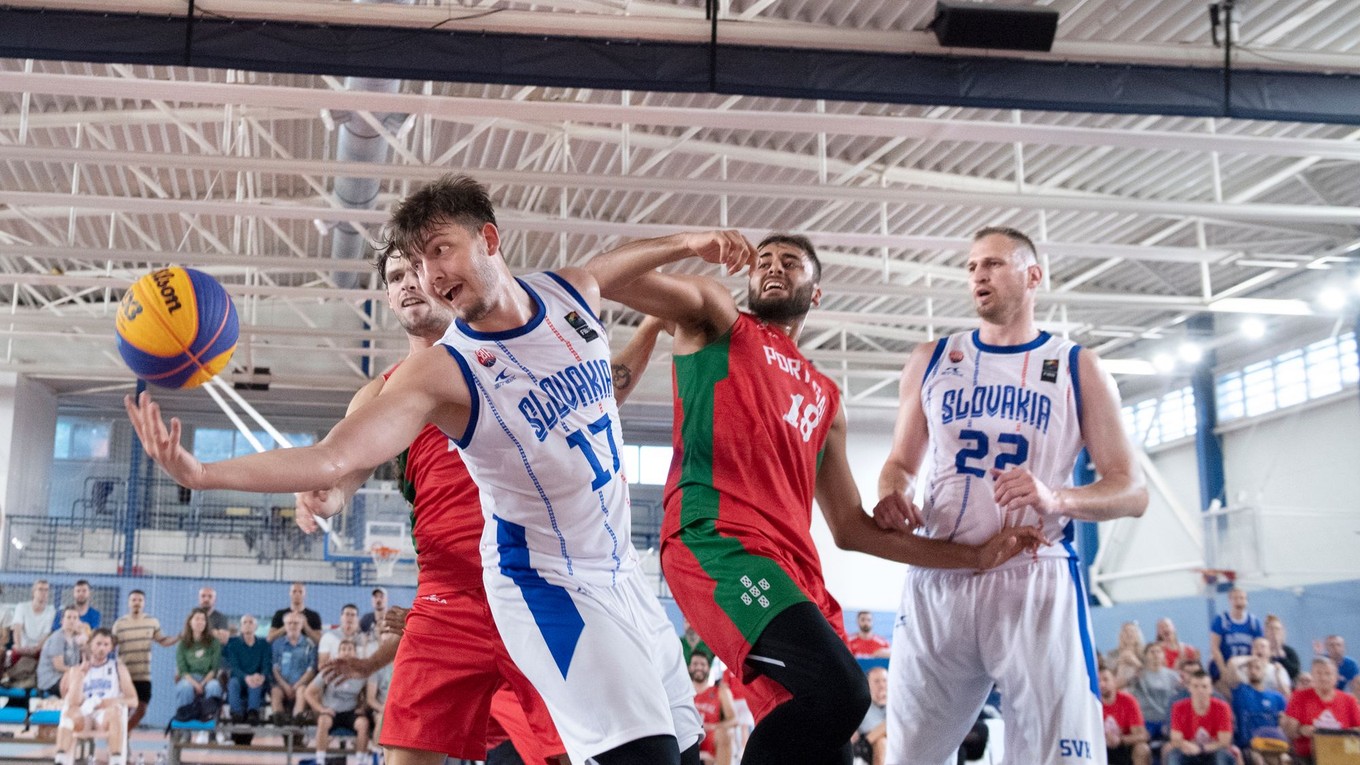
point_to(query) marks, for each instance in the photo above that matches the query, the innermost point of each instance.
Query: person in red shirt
(715, 706)
(1126, 736)
(1201, 727)
(1171, 645)
(1321, 707)
(865, 644)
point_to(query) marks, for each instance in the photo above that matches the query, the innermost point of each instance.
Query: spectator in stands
(133, 633)
(1233, 631)
(371, 622)
(1171, 645)
(61, 651)
(1126, 737)
(100, 692)
(1154, 688)
(297, 599)
(870, 740)
(1126, 659)
(1256, 707)
(218, 623)
(1321, 707)
(348, 630)
(341, 703)
(691, 643)
(1346, 668)
(80, 598)
(1275, 676)
(865, 644)
(1201, 727)
(1280, 652)
(197, 660)
(249, 662)
(294, 662)
(714, 703)
(29, 628)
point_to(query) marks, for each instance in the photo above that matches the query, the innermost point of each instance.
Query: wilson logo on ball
(176, 327)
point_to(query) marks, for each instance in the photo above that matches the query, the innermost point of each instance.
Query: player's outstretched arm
(428, 387)
(897, 480)
(1119, 490)
(853, 529)
(327, 503)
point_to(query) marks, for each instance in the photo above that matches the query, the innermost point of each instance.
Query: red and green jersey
(751, 416)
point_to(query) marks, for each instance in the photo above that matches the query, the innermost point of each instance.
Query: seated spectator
(371, 622)
(1201, 727)
(1126, 659)
(218, 623)
(1321, 707)
(294, 663)
(348, 630)
(197, 660)
(1275, 676)
(1233, 631)
(1154, 688)
(1256, 707)
(340, 703)
(870, 741)
(1171, 645)
(61, 651)
(249, 662)
(100, 692)
(1346, 667)
(1281, 653)
(133, 633)
(297, 604)
(865, 644)
(80, 600)
(714, 703)
(1126, 738)
(29, 628)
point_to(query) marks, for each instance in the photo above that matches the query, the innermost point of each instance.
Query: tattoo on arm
(623, 376)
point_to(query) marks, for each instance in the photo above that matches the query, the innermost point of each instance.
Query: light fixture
(1164, 363)
(1355, 283)
(1332, 299)
(17, 543)
(1253, 328)
(1190, 352)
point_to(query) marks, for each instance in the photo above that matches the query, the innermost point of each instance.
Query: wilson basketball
(177, 327)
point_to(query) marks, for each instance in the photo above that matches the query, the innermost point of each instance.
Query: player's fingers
(914, 515)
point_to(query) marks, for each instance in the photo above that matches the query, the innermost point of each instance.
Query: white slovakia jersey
(543, 440)
(101, 682)
(999, 407)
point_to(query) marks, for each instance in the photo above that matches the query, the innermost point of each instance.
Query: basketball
(177, 327)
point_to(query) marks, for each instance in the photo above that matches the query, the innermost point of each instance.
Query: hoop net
(1218, 579)
(384, 559)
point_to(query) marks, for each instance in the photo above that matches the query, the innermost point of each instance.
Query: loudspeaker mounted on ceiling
(997, 27)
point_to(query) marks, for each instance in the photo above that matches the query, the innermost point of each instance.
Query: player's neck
(794, 328)
(1201, 708)
(1012, 333)
(512, 308)
(1326, 694)
(418, 343)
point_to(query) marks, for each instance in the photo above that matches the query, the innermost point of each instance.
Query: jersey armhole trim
(474, 409)
(571, 290)
(1074, 368)
(935, 358)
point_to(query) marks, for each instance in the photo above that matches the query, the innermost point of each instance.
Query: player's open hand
(727, 248)
(1007, 544)
(897, 513)
(345, 668)
(394, 621)
(321, 503)
(162, 444)
(1017, 489)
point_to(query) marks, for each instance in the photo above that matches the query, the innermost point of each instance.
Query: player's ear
(816, 295)
(1034, 276)
(492, 236)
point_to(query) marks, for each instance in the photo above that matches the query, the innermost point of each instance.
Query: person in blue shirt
(251, 663)
(1346, 667)
(80, 601)
(1256, 708)
(1233, 631)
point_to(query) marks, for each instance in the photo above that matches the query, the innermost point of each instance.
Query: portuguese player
(758, 431)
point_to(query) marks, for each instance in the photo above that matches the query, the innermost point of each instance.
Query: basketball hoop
(384, 560)
(1218, 579)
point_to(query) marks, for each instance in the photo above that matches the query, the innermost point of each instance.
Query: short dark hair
(802, 243)
(452, 199)
(377, 590)
(136, 592)
(349, 605)
(106, 632)
(1198, 673)
(1013, 234)
(73, 609)
(79, 582)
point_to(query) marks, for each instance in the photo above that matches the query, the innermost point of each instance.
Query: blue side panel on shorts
(556, 615)
(1088, 651)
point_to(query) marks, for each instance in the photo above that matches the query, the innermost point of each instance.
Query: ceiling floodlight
(1164, 363)
(1190, 353)
(1253, 328)
(1332, 299)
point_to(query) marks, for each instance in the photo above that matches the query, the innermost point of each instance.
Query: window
(1168, 417)
(1289, 379)
(216, 444)
(79, 438)
(646, 464)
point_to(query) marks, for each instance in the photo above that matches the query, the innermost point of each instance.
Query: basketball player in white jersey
(100, 692)
(1003, 412)
(521, 382)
